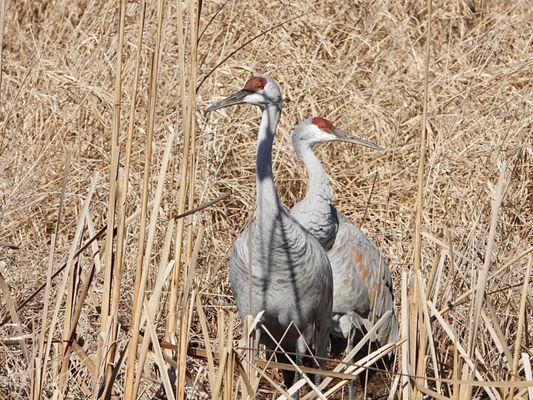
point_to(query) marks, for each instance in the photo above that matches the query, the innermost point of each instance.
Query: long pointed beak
(346, 137)
(232, 99)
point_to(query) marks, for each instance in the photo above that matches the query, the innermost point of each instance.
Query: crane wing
(362, 281)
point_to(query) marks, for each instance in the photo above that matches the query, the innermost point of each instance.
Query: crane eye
(255, 84)
(323, 124)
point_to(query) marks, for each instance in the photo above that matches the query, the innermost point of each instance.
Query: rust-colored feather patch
(255, 84)
(323, 124)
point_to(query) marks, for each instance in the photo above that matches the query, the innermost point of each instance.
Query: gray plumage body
(291, 280)
(362, 282)
(276, 266)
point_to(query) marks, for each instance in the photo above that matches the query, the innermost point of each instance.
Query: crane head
(316, 130)
(261, 91)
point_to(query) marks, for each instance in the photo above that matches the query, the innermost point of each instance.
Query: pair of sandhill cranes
(312, 273)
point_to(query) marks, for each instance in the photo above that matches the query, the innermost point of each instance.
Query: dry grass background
(360, 64)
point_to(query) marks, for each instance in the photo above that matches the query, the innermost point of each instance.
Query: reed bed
(120, 198)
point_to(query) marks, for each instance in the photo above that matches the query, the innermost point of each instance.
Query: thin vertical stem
(413, 328)
(42, 336)
(422, 154)
(484, 272)
(520, 328)
(121, 203)
(405, 334)
(2, 24)
(138, 293)
(113, 173)
(173, 300)
(191, 112)
(68, 276)
(111, 204)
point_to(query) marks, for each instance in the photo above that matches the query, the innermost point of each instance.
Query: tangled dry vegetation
(65, 120)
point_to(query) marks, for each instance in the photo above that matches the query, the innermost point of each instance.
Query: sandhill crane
(362, 283)
(291, 279)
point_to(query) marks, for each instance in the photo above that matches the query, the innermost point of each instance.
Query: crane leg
(257, 341)
(349, 347)
(301, 350)
(321, 350)
(288, 376)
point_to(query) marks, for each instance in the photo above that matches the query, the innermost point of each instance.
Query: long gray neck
(267, 196)
(318, 180)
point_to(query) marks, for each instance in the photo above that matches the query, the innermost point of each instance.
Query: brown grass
(361, 64)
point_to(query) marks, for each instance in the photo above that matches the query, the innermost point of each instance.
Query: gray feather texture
(291, 278)
(362, 281)
(276, 266)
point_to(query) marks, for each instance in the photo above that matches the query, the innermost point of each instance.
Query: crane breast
(287, 276)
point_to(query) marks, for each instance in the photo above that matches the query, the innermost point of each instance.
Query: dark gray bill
(235, 98)
(345, 137)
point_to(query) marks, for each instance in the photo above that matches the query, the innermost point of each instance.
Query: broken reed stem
(224, 355)
(426, 337)
(138, 294)
(68, 276)
(230, 366)
(75, 318)
(194, 10)
(185, 318)
(422, 152)
(70, 305)
(207, 343)
(420, 362)
(38, 375)
(39, 364)
(165, 268)
(526, 362)
(99, 380)
(17, 325)
(519, 331)
(158, 355)
(484, 272)
(456, 372)
(412, 300)
(374, 300)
